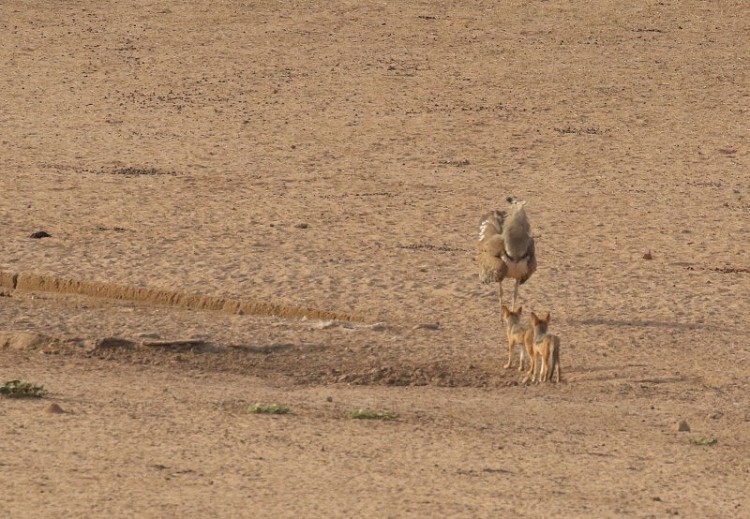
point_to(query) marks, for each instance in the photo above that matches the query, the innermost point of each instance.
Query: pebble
(53, 409)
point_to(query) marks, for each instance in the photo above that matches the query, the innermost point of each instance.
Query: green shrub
(18, 389)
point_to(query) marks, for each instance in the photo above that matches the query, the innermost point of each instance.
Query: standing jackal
(518, 334)
(546, 347)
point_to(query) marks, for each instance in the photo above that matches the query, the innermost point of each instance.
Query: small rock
(194, 345)
(302, 225)
(648, 256)
(329, 399)
(40, 234)
(427, 326)
(378, 327)
(53, 409)
(114, 342)
(325, 325)
(148, 335)
(682, 426)
(24, 340)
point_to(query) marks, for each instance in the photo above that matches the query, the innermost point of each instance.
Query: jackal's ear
(546, 320)
(520, 310)
(505, 310)
(534, 318)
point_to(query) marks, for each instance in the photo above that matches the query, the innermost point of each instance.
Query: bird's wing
(490, 253)
(517, 233)
(530, 262)
(490, 224)
(494, 246)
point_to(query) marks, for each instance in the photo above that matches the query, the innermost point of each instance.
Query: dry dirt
(277, 202)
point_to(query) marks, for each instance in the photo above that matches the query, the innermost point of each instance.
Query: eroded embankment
(171, 298)
(298, 363)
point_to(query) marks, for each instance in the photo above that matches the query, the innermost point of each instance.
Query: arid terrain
(278, 202)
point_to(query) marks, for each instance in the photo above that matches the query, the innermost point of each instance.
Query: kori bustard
(506, 248)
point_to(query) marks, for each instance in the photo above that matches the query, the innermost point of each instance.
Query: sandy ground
(336, 156)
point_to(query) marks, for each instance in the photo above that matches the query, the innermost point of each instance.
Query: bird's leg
(510, 342)
(515, 294)
(500, 294)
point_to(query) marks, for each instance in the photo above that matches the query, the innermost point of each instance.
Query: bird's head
(515, 202)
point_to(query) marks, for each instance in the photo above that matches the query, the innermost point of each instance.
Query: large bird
(506, 247)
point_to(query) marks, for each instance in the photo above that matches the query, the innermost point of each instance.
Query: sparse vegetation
(704, 441)
(268, 409)
(362, 414)
(19, 389)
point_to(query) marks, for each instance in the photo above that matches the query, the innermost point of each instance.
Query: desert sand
(277, 202)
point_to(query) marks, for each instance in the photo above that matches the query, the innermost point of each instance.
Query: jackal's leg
(544, 373)
(557, 364)
(511, 342)
(529, 346)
